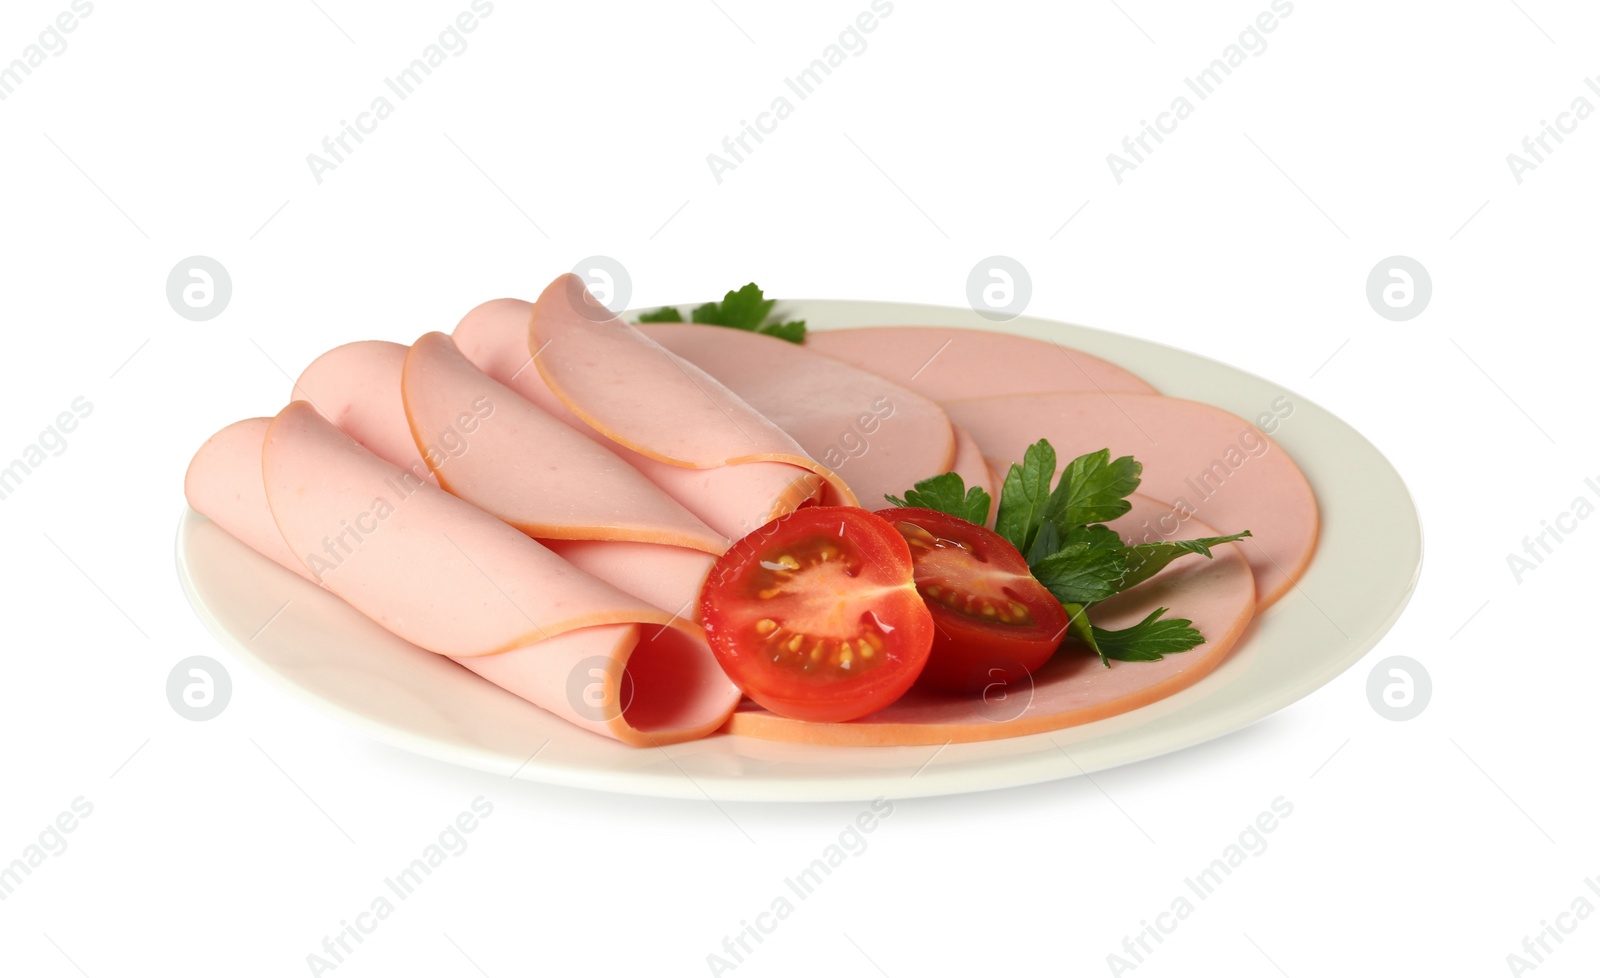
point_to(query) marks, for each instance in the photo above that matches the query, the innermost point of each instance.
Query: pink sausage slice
(649, 684)
(879, 436)
(357, 387)
(948, 363)
(494, 336)
(1200, 459)
(448, 577)
(629, 388)
(1217, 595)
(973, 468)
(527, 468)
(361, 384)
(645, 685)
(224, 484)
(668, 577)
(433, 569)
(732, 500)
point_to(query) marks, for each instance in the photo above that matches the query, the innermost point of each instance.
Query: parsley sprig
(745, 308)
(1059, 527)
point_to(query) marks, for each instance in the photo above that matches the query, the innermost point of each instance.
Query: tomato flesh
(816, 615)
(993, 622)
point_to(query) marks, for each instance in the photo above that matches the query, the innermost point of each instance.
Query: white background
(1363, 130)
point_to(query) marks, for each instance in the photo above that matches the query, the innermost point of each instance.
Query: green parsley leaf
(1089, 566)
(948, 493)
(745, 308)
(1076, 575)
(1148, 641)
(1089, 539)
(1078, 627)
(794, 332)
(1025, 494)
(666, 314)
(1145, 560)
(1092, 489)
(1046, 542)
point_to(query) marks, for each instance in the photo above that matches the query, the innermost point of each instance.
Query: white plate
(1360, 579)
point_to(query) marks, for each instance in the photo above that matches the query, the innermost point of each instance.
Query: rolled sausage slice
(361, 383)
(880, 437)
(357, 387)
(641, 396)
(668, 577)
(494, 337)
(224, 484)
(515, 461)
(448, 577)
(432, 568)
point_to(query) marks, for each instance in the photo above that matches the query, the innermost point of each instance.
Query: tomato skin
(968, 568)
(816, 617)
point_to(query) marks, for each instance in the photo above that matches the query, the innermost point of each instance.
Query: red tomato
(993, 622)
(815, 615)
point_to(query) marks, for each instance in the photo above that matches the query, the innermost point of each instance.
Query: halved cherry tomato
(815, 615)
(993, 622)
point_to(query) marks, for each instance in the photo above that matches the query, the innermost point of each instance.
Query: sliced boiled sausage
(880, 437)
(515, 461)
(950, 363)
